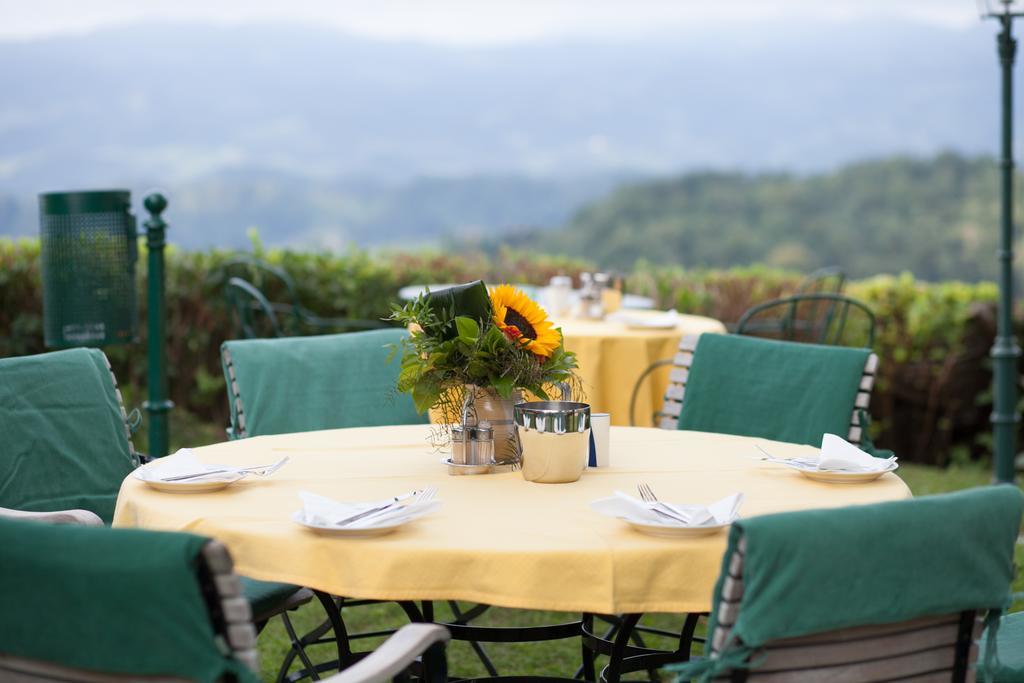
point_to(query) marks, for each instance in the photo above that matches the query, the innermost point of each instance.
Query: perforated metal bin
(88, 253)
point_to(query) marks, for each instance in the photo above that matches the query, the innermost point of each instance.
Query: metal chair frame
(245, 296)
(827, 280)
(825, 323)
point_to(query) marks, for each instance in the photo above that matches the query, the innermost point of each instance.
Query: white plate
(380, 530)
(840, 477)
(654, 325)
(218, 482)
(672, 531)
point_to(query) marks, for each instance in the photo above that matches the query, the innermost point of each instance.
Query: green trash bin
(88, 252)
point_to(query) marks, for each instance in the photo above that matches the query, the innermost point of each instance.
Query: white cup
(599, 425)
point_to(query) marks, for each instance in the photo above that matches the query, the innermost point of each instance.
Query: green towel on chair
(110, 600)
(771, 389)
(63, 436)
(822, 570)
(297, 384)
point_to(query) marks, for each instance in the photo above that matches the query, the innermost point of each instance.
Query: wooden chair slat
(217, 558)
(668, 422)
(916, 664)
(241, 636)
(872, 365)
(236, 609)
(683, 359)
(18, 670)
(813, 655)
(871, 631)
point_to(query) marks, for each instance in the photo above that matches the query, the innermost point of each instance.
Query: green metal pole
(158, 404)
(1005, 352)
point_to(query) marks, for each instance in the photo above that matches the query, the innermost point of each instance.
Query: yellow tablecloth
(496, 539)
(612, 356)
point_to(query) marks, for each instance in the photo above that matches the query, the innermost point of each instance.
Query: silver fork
(647, 495)
(258, 470)
(420, 497)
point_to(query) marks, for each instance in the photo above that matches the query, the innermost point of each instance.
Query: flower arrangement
(467, 336)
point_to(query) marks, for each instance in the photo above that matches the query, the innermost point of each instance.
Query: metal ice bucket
(555, 440)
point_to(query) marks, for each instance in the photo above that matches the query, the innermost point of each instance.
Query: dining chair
(79, 607)
(818, 318)
(264, 302)
(296, 384)
(816, 595)
(67, 448)
(777, 390)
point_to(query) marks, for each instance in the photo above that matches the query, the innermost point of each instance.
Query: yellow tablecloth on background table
(497, 538)
(612, 357)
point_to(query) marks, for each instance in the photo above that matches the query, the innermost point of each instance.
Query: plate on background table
(645, 320)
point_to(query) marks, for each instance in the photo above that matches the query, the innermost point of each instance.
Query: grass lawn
(558, 658)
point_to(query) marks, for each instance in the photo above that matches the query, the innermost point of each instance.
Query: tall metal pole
(1005, 351)
(158, 404)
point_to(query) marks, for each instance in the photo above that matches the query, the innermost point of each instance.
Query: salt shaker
(482, 444)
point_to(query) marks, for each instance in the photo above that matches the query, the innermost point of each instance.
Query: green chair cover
(108, 600)
(1010, 648)
(771, 389)
(821, 570)
(299, 384)
(64, 444)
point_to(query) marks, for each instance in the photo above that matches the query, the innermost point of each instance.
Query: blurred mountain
(323, 138)
(936, 217)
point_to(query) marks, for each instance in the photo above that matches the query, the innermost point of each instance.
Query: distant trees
(937, 218)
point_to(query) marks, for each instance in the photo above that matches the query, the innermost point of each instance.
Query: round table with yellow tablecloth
(613, 355)
(496, 539)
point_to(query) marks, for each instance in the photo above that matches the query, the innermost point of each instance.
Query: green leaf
(424, 395)
(469, 329)
(504, 386)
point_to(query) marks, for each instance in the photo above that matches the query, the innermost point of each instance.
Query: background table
(612, 357)
(497, 539)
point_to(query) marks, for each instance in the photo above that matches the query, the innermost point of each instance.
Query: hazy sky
(467, 21)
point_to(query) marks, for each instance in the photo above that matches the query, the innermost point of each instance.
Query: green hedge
(930, 403)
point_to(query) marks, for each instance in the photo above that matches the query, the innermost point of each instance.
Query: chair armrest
(81, 517)
(395, 655)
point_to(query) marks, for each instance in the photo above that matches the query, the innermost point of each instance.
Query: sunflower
(523, 321)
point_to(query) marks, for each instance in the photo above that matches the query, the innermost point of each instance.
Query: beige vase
(487, 405)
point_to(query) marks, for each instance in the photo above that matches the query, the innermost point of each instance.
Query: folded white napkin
(632, 509)
(320, 510)
(665, 319)
(181, 463)
(839, 454)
